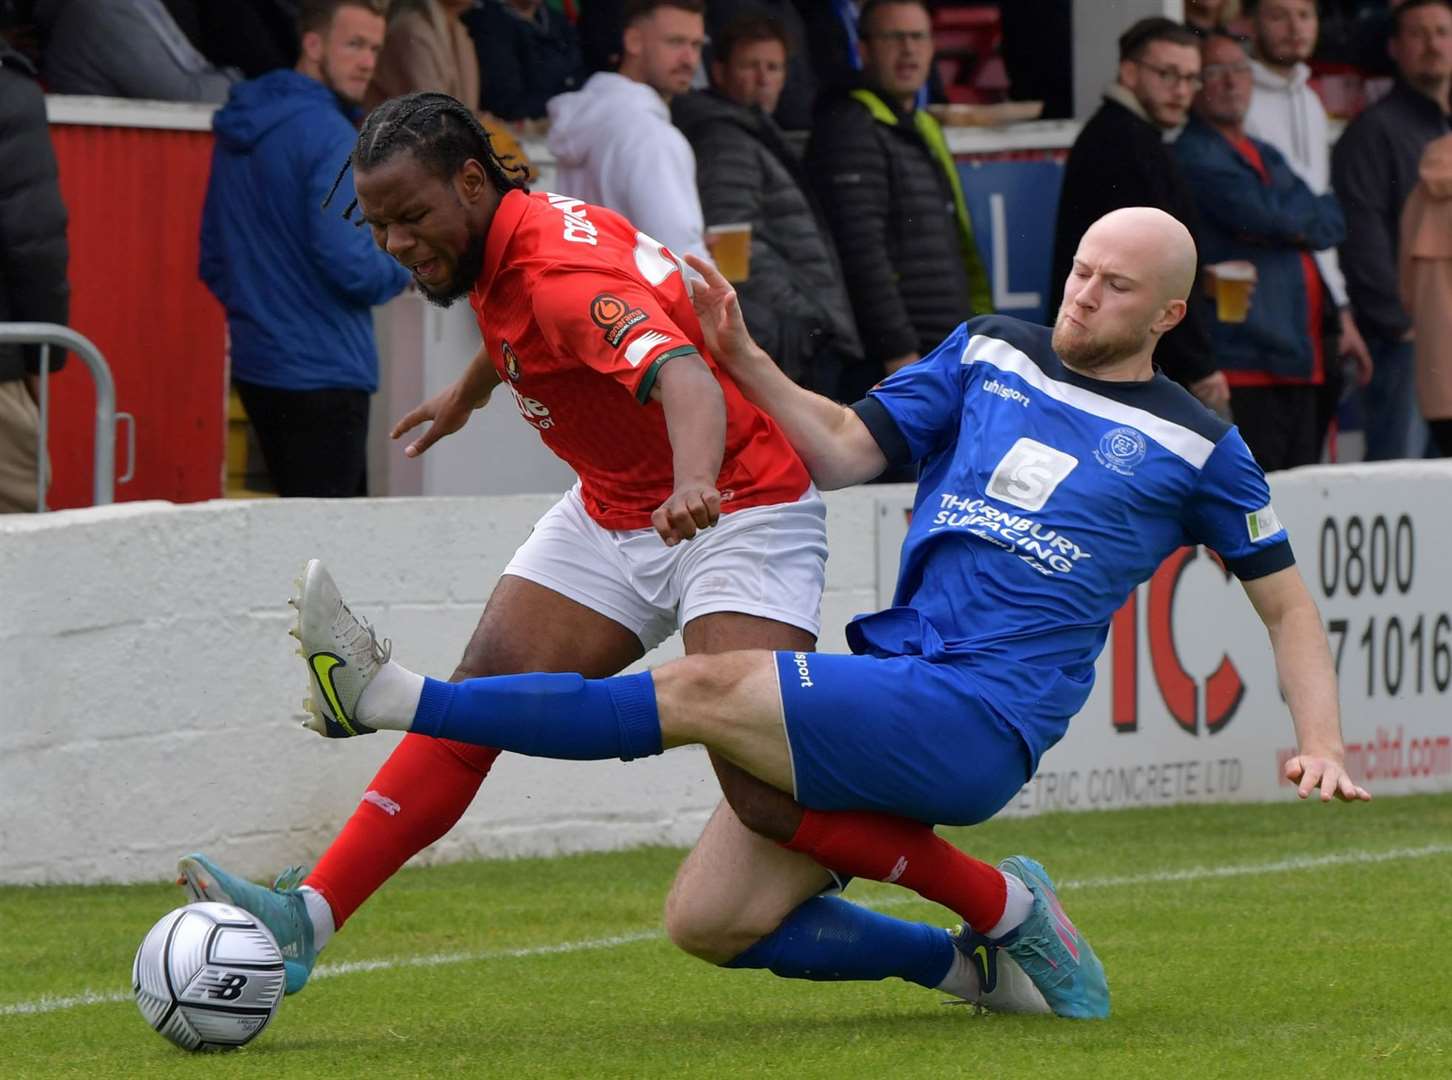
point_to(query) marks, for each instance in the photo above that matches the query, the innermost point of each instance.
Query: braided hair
(441, 131)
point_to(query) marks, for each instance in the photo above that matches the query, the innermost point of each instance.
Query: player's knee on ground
(711, 931)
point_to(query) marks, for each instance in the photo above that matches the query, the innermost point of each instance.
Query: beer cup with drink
(731, 250)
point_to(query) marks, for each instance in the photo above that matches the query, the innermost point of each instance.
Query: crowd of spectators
(1215, 120)
(807, 121)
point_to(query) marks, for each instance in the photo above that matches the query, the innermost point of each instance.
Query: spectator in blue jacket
(298, 283)
(1254, 207)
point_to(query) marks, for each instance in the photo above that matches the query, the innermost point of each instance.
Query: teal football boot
(281, 909)
(1051, 950)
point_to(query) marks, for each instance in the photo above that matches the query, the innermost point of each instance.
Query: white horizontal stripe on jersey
(1178, 440)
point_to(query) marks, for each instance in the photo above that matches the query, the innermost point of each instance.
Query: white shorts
(769, 561)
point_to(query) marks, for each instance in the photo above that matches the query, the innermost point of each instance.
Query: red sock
(421, 790)
(908, 853)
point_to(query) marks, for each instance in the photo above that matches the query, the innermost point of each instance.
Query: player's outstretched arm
(695, 415)
(449, 410)
(832, 440)
(1308, 679)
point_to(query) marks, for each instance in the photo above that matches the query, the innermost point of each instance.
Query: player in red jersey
(589, 325)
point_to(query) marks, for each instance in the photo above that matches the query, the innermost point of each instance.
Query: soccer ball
(208, 977)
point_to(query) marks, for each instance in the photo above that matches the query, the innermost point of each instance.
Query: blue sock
(546, 715)
(831, 940)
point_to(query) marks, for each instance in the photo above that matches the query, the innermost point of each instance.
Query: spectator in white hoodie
(1288, 114)
(613, 139)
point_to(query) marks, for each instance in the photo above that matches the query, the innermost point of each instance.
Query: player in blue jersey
(1057, 470)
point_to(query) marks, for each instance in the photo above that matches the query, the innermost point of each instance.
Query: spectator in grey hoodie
(124, 48)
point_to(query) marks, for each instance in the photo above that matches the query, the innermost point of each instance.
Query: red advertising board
(135, 201)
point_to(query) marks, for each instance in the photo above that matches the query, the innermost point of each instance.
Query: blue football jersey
(1044, 498)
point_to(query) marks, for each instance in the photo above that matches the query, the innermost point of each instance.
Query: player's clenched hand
(691, 508)
(720, 314)
(449, 410)
(1310, 771)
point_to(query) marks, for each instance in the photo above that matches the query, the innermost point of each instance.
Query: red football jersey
(579, 312)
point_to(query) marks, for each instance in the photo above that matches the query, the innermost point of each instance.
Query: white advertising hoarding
(1186, 705)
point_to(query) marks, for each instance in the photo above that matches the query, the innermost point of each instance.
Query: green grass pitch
(1241, 941)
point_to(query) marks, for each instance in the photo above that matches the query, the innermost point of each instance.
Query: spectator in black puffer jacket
(793, 110)
(892, 195)
(794, 302)
(33, 260)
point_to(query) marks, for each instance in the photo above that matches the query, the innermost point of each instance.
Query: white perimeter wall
(147, 682)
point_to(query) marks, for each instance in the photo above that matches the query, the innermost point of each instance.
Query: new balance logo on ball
(228, 987)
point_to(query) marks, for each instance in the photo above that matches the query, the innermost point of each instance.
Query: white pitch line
(1164, 877)
(49, 1004)
(1297, 862)
(351, 967)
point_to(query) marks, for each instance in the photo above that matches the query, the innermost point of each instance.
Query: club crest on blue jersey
(1121, 449)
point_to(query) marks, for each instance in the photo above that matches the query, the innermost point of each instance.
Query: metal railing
(52, 335)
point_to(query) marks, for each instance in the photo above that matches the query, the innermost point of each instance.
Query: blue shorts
(898, 734)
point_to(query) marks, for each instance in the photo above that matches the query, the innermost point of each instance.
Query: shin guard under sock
(551, 715)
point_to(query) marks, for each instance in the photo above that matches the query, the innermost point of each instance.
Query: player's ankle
(962, 980)
(391, 698)
(320, 914)
(1017, 905)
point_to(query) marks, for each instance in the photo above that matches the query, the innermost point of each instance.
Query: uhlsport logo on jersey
(1008, 393)
(1121, 449)
(615, 317)
(511, 362)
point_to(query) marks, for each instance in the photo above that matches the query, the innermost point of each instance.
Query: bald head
(1133, 272)
(1156, 245)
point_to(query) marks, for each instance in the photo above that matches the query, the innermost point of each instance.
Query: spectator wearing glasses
(1253, 207)
(891, 192)
(1120, 159)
